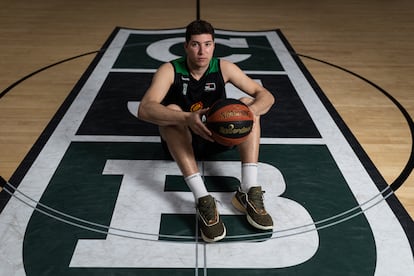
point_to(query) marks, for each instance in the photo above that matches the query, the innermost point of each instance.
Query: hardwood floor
(372, 38)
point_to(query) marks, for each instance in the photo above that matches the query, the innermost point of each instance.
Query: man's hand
(195, 123)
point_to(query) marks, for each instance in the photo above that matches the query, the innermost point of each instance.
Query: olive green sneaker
(211, 226)
(251, 203)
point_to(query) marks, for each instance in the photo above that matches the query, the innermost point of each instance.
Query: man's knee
(247, 100)
(174, 107)
(173, 132)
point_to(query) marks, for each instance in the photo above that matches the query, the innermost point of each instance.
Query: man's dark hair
(198, 27)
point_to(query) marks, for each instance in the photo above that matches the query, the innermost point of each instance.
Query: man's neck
(197, 72)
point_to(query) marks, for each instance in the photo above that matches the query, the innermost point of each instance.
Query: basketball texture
(230, 121)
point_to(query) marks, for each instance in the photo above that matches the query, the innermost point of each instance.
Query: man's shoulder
(229, 70)
(165, 68)
(225, 64)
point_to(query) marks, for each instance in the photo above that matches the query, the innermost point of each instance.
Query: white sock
(248, 176)
(196, 185)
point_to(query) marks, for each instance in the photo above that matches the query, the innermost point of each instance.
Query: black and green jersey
(191, 94)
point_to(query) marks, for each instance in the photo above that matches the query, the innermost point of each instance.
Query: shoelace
(256, 197)
(208, 210)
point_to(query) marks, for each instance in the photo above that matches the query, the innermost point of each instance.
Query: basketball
(230, 121)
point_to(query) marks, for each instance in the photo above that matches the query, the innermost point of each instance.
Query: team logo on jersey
(197, 106)
(210, 86)
(185, 86)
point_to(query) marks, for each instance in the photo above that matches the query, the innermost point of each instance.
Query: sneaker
(211, 226)
(251, 204)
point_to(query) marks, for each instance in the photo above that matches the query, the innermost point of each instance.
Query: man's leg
(249, 156)
(179, 143)
(249, 153)
(249, 198)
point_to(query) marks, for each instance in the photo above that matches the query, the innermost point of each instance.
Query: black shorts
(201, 147)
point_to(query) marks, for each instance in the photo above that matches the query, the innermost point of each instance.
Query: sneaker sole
(215, 239)
(236, 203)
(256, 225)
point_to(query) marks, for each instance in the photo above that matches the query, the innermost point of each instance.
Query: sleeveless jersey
(191, 94)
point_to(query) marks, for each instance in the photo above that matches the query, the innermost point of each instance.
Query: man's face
(200, 50)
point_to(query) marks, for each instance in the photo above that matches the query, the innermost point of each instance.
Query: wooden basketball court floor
(371, 38)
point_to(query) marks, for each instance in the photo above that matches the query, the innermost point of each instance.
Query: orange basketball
(230, 121)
